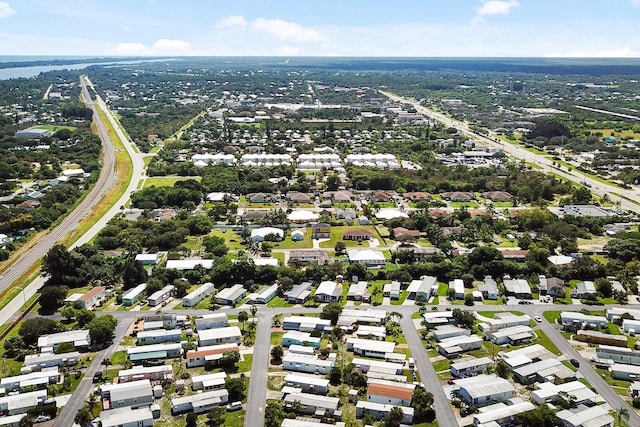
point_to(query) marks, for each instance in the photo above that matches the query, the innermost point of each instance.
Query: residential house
(229, 334)
(417, 196)
(313, 256)
(297, 197)
(38, 380)
(368, 257)
(161, 296)
(483, 389)
(209, 354)
(158, 336)
(392, 290)
(127, 417)
(370, 348)
(259, 198)
(578, 392)
(582, 416)
(358, 292)
(489, 289)
(312, 404)
(231, 296)
(308, 383)
(35, 362)
(497, 196)
(208, 382)
(300, 338)
(133, 295)
(49, 343)
(155, 353)
(350, 316)
(371, 332)
(381, 197)
(134, 394)
(437, 318)
(620, 371)
(518, 288)
(618, 355)
(338, 196)
(91, 298)
(211, 321)
(584, 289)
(202, 292)
(305, 323)
(328, 291)
(570, 317)
(457, 196)
(597, 337)
(423, 289)
(299, 293)
(152, 373)
(547, 370)
(267, 233)
(297, 235)
(453, 347)
(470, 367)
(390, 393)
(401, 233)
(504, 320)
(21, 403)
(381, 411)
(458, 287)
(450, 331)
(189, 264)
(306, 363)
(551, 286)
(199, 403)
(149, 259)
(266, 294)
(357, 234)
(500, 414)
(321, 230)
(513, 335)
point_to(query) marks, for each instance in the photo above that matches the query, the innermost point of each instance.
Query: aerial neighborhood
(315, 248)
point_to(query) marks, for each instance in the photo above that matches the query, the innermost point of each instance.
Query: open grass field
(166, 181)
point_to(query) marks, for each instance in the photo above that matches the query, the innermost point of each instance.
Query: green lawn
(166, 181)
(338, 231)
(544, 341)
(287, 243)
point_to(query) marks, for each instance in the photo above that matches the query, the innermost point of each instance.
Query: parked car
(234, 406)
(42, 418)
(538, 318)
(575, 363)
(97, 377)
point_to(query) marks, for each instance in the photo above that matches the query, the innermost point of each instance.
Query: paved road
(68, 413)
(104, 183)
(257, 395)
(520, 153)
(613, 399)
(427, 374)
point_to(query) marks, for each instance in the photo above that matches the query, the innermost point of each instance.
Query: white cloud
(232, 21)
(6, 10)
(496, 7)
(288, 50)
(131, 49)
(284, 30)
(174, 46)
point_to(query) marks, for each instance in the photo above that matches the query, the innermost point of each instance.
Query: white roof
(596, 416)
(314, 380)
(307, 320)
(300, 215)
(219, 333)
(189, 264)
(484, 385)
(365, 255)
(503, 412)
(122, 416)
(147, 257)
(470, 363)
(265, 231)
(372, 345)
(158, 333)
(128, 390)
(134, 292)
(153, 348)
(326, 288)
(81, 335)
(390, 214)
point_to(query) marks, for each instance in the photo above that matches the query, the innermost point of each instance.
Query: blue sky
(472, 28)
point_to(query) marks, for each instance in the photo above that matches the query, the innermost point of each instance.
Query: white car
(235, 406)
(538, 319)
(42, 418)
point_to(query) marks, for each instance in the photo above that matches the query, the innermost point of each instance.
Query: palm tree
(622, 413)
(243, 316)
(254, 310)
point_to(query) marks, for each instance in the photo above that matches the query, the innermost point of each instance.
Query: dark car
(575, 363)
(97, 377)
